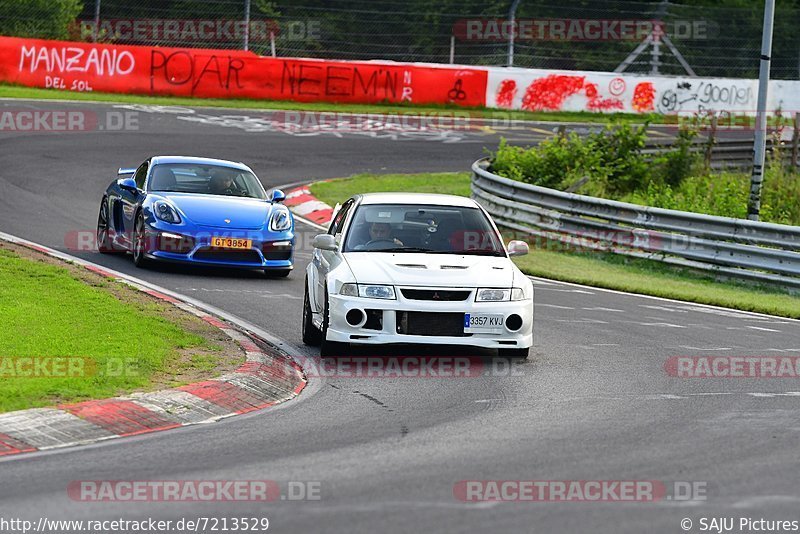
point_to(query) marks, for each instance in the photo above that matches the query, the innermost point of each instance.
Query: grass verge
(605, 270)
(70, 335)
(32, 93)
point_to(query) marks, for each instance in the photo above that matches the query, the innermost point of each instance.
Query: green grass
(339, 190)
(590, 268)
(45, 312)
(15, 91)
(653, 278)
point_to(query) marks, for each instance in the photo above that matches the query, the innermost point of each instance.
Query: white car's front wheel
(311, 334)
(330, 348)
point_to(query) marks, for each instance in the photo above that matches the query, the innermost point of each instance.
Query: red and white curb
(304, 204)
(268, 377)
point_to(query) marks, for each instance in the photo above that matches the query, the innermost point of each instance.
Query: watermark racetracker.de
(579, 30)
(733, 366)
(145, 30)
(607, 491)
(67, 120)
(133, 491)
(12, 367)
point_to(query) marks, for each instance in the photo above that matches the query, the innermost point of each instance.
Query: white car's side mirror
(517, 248)
(324, 242)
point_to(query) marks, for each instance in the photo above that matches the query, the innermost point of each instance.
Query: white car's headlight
(280, 221)
(368, 291)
(499, 295)
(166, 212)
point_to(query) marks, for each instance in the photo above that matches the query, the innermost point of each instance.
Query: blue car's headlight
(165, 212)
(280, 221)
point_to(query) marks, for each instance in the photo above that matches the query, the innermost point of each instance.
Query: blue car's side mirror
(128, 184)
(277, 196)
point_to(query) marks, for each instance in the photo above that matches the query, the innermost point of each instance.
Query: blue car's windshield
(205, 179)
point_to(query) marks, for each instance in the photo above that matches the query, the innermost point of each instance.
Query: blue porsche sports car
(199, 211)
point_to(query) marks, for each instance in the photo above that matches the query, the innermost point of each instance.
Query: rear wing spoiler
(122, 171)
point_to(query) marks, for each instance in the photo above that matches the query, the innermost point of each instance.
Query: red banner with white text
(231, 74)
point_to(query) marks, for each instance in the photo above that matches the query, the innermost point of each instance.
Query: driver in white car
(381, 231)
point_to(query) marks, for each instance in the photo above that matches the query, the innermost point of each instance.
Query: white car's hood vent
(429, 270)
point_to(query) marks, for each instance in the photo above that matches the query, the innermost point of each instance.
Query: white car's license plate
(477, 323)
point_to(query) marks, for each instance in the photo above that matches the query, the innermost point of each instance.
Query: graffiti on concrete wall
(707, 95)
(546, 90)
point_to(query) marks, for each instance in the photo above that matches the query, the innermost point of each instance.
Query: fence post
(795, 139)
(452, 49)
(759, 146)
(712, 140)
(246, 25)
(96, 29)
(272, 42)
(512, 15)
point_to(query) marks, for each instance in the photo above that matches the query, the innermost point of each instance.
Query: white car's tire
(330, 349)
(311, 334)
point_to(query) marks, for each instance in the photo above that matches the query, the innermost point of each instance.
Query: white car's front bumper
(393, 329)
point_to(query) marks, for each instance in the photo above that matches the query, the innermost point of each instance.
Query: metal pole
(655, 53)
(760, 148)
(272, 43)
(96, 29)
(795, 140)
(246, 25)
(512, 14)
(452, 49)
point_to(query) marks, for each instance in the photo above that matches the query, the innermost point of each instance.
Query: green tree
(45, 19)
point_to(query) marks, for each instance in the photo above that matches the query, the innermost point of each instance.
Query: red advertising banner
(231, 74)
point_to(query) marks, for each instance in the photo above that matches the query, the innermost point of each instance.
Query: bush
(620, 166)
(42, 19)
(616, 169)
(557, 162)
(611, 160)
(726, 195)
(680, 162)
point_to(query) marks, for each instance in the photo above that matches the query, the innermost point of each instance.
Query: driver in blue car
(222, 184)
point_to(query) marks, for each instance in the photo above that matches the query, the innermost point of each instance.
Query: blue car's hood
(216, 210)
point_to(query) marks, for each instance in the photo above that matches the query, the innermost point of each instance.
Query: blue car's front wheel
(140, 243)
(104, 243)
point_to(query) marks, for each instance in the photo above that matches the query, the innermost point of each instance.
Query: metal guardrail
(731, 247)
(720, 153)
(727, 153)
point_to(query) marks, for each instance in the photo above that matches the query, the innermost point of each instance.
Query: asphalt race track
(593, 402)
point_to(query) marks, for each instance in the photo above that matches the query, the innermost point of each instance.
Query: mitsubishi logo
(435, 296)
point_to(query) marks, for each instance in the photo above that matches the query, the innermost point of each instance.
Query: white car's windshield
(416, 228)
(205, 179)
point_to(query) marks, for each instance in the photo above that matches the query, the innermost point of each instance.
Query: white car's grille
(436, 294)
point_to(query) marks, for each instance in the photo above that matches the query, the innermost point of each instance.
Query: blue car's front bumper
(269, 250)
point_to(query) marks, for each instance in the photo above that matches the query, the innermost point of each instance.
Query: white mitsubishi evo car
(416, 268)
